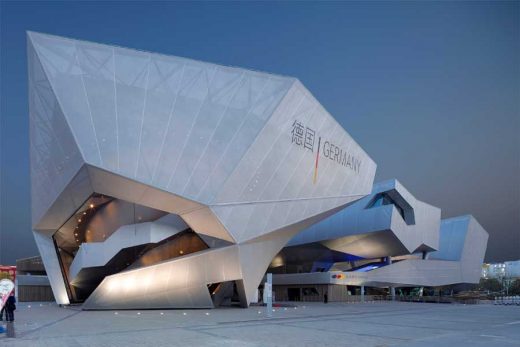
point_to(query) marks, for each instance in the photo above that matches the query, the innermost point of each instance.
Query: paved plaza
(309, 324)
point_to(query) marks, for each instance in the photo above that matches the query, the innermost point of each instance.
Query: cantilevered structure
(159, 181)
(386, 239)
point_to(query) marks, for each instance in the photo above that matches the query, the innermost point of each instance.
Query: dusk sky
(431, 90)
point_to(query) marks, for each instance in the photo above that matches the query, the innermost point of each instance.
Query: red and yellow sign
(8, 272)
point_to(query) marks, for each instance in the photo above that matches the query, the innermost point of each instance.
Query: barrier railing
(507, 300)
(429, 299)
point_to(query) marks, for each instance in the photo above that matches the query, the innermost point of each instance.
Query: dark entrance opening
(293, 294)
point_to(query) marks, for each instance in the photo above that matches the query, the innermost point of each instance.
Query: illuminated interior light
(79, 220)
(91, 205)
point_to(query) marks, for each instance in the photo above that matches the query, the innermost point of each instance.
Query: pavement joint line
(418, 327)
(302, 318)
(346, 332)
(313, 328)
(169, 328)
(284, 320)
(49, 324)
(440, 328)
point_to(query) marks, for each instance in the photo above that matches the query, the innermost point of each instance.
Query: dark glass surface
(383, 199)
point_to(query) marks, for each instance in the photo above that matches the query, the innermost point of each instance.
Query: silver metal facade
(234, 153)
(378, 231)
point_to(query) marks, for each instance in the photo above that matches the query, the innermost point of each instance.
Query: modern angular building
(164, 182)
(160, 181)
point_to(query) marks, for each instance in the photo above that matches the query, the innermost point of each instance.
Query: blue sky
(431, 90)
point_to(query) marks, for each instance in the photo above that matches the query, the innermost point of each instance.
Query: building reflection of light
(277, 261)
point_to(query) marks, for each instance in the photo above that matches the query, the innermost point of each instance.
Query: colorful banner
(7, 280)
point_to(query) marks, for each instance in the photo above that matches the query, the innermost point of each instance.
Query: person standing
(10, 307)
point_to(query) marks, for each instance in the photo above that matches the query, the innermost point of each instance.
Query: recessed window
(383, 199)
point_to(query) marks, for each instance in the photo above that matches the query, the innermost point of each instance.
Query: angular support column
(242, 296)
(391, 289)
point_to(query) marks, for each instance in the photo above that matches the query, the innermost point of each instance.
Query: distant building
(508, 269)
(31, 280)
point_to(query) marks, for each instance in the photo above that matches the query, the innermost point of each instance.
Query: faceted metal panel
(52, 267)
(464, 240)
(275, 169)
(181, 282)
(247, 221)
(360, 219)
(406, 273)
(369, 245)
(55, 157)
(136, 106)
(73, 195)
(474, 251)
(453, 234)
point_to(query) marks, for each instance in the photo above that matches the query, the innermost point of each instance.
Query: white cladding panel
(359, 219)
(52, 267)
(177, 124)
(176, 283)
(55, 157)
(276, 167)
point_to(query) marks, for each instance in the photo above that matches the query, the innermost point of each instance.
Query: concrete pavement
(308, 324)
